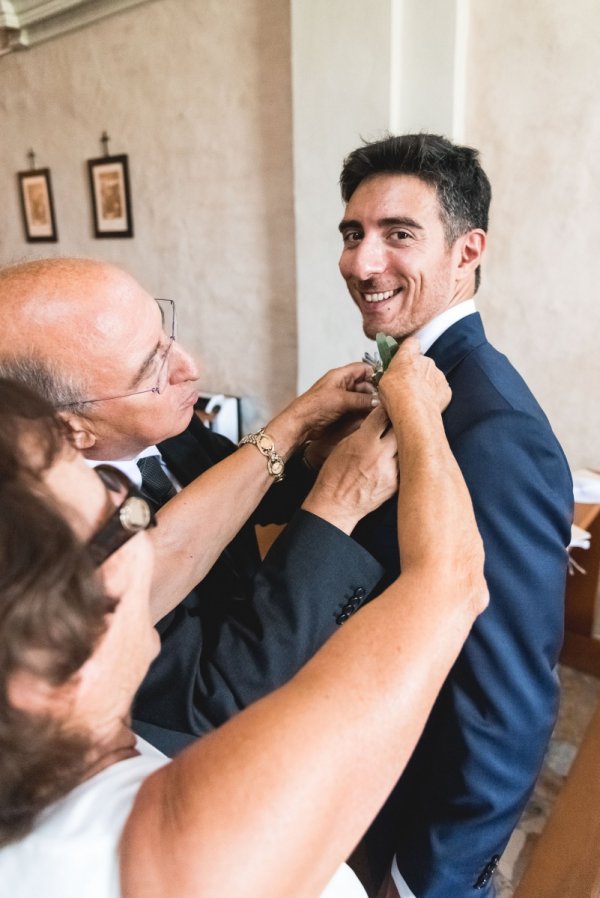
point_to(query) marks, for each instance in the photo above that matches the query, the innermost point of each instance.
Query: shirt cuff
(399, 882)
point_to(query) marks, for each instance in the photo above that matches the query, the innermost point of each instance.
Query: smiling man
(414, 232)
(88, 337)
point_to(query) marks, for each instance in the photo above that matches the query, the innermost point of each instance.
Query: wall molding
(25, 23)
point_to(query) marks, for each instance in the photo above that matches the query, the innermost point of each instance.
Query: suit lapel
(187, 456)
(458, 341)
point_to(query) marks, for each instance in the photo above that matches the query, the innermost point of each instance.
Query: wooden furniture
(580, 649)
(566, 859)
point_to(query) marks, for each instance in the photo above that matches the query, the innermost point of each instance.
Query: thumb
(360, 402)
(376, 423)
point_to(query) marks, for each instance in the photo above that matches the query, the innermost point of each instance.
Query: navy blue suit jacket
(462, 794)
(247, 627)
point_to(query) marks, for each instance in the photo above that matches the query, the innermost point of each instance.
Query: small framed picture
(35, 190)
(111, 198)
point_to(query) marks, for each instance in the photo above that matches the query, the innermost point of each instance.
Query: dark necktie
(155, 483)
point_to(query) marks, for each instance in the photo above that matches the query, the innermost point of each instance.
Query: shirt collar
(128, 465)
(429, 333)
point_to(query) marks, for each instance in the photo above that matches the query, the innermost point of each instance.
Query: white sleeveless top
(73, 850)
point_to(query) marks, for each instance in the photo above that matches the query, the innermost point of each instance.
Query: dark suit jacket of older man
(477, 761)
(248, 627)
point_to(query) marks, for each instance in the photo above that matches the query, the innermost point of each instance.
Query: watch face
(135, 514)
(276, 467)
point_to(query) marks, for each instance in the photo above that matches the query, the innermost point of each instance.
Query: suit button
(486, 873)
(347, 611)
(360, 593)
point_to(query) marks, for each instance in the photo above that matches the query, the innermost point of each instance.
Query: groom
(414, 232)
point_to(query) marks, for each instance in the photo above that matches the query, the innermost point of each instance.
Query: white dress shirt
(429, 333)
(129, 466)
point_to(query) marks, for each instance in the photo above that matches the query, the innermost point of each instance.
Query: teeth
(379, 297)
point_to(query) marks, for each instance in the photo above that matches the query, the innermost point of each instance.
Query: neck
(119, 748)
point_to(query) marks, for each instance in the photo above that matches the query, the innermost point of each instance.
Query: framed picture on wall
(35, 191)
(111, 197)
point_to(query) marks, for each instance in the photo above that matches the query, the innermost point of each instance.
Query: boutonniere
(387, 348)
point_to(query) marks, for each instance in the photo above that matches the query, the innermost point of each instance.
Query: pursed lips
(192, 399)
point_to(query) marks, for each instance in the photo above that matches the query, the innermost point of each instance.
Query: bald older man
(103, 351)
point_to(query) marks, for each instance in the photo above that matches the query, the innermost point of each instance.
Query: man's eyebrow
(403, 221)
(349, 223)
(144, 367)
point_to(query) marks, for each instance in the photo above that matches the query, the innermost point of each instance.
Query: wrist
(288, 433)
(265, 444)
(343, 518)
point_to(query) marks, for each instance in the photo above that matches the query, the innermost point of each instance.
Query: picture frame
(37, 205)
(111, 196)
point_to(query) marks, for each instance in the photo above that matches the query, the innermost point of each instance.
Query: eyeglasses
(133, 514)
(167, 311)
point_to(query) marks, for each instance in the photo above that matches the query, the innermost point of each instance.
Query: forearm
(198, 523)
(429, 526)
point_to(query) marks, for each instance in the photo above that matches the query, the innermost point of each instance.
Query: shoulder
(485, 384)
(73, 849)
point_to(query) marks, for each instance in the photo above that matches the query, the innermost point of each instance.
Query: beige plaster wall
(341, 93)
(201, 102)
(533, 108)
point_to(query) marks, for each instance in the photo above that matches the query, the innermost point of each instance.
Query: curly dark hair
(52, 612)
(463, 188)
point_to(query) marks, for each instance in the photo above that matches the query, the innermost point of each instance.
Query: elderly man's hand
(360, 474)
(345, 391)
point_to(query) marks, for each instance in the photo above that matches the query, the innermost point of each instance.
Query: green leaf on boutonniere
(387, 349)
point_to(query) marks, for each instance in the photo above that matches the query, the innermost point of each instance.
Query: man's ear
(82, 433)
(471, 247)
(32, 694)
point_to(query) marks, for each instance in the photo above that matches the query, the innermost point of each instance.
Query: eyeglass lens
(167, 310)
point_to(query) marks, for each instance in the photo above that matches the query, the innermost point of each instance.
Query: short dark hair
(52, 612)
(463, 188)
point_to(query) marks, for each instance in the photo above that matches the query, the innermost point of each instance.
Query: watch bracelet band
(266, 446)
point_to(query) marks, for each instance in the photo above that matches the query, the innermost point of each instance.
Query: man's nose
(183, 367)
(368, 259)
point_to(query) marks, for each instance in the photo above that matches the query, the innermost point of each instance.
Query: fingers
(359, 402)
(412, 376)
(348, 377)
(410, 348)
(365, 386)
(355, 373)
